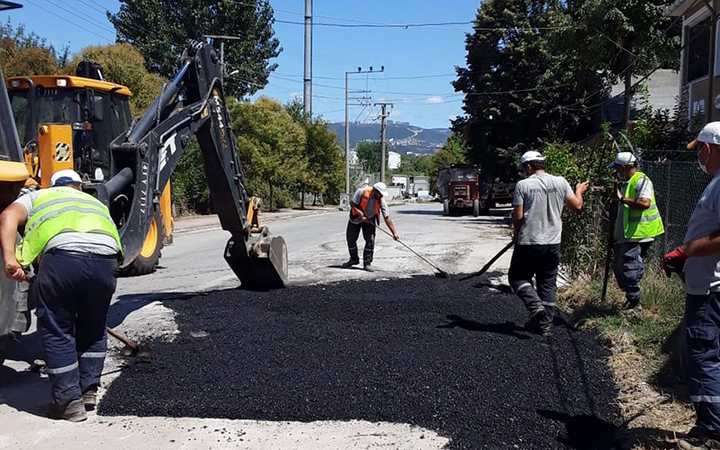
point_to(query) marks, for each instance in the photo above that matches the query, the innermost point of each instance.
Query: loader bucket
(261, 263)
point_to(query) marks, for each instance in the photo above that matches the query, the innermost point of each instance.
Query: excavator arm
(144, 158)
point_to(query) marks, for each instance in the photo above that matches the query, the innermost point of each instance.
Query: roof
(679, 7)
(51, 81)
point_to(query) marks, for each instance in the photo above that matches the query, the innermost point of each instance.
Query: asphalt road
(438, 354)
(339, 359)
(317, 242)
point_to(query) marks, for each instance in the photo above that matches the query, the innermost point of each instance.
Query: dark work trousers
(702, 357)
(538, 262)
(353, 233)
(629, 267)
(73, 291)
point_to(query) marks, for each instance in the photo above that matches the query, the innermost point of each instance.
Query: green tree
(271, 145)
(123, 64)
(24, 53)
(453, 152)
(623, 39)
(368, 153)
(162, 29)
(326, 162)
(415, 164)
(515, 83)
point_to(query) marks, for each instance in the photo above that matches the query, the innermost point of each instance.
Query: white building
(393, 160)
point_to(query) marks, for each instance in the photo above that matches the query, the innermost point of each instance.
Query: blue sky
(431, 53)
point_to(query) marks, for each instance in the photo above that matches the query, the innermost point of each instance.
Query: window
(698, 48)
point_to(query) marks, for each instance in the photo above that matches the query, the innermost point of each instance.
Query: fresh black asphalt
(440, 354)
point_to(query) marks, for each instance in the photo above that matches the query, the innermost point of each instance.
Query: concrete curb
(212, 222)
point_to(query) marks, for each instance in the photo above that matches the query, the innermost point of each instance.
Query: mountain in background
(403, 137)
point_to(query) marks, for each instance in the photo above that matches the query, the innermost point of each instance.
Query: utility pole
(307, 78)
(347, 124)
(222, 39)
(383, 136)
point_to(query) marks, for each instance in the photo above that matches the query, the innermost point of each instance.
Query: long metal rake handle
(408, 247)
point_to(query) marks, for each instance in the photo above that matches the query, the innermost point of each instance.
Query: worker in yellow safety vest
(366, 207)
(71, 238)
(637, 225)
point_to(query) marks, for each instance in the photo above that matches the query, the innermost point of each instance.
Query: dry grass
(652, 411)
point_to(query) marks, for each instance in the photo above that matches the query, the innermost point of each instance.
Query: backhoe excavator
(131, 173)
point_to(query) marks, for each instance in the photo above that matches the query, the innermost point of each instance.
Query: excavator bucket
(261, 263)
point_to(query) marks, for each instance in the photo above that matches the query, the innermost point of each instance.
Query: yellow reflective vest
(63, 210)
(641, 224)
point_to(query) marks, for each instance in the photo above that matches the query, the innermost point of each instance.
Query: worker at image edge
(637, 225)
(366, 207)
(538, 203)
(76, 246)
(699, 260)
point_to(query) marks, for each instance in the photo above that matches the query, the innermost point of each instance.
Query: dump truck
(460, 189)
(51, 123)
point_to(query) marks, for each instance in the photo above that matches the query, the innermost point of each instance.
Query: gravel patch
(437, 354)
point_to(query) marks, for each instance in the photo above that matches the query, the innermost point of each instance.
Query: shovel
(489, 264)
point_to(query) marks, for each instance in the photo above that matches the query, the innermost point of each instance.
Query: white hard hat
(65, 177)
(710, 134)
(381, 188)
(623, 159)
(530, 156)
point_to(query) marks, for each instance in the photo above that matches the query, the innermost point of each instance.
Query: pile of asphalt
(439, 354)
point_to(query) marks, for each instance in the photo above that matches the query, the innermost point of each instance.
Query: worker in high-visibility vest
(366, 207)
(74, 242)
(637, 225)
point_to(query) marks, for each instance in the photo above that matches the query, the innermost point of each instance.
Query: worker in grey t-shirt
(538, 203)
(700, 256)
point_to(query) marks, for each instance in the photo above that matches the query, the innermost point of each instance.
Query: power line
(65, 19)
(91, 22)
(406, 26)
(92, 6)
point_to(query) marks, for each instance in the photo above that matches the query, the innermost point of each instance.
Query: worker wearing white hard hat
(72, 239)
(699, 260)
(538, 203)
(637, 224)
(366, 207)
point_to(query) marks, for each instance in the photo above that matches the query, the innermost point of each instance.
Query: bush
(584, 245)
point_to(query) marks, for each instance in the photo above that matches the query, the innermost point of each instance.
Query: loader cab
(68, 122)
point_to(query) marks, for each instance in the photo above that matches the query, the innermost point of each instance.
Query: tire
(476, 207)
(446, 207)
(147, 260)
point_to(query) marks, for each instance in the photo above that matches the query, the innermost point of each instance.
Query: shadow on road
(506, 328)
(24, 391)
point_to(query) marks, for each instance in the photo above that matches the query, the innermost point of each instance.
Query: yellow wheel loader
(49, 123)
(68, 122)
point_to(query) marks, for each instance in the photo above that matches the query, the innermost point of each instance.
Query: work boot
(539, 323)
(89, 399)
(368, 267)
(350, 263)
(631, 303)
(73, 412)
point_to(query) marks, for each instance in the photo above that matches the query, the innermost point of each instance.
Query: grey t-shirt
(702, 273)
(543, 199)
(95, 243)
(645, 190)
(370, 210)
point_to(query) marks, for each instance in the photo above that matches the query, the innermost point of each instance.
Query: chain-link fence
(678, 186)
